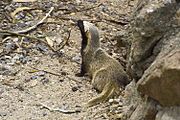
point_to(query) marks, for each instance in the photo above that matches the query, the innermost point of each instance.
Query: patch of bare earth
(45, 86)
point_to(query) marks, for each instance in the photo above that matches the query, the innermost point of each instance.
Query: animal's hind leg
(104, 95)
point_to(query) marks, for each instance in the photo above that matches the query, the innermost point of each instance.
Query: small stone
(41, 47)
(3, 114)
(33, 77)
(44, 114)
(61, 80)
(120, 104)
(63, 73)
(76, 59)
(45, 80)
(111, 100)
(117, 100)
(62, 51)
(74, 89)
(10, 46)
(6, 70)
(33, 83)
(39, 96)
(41, 73)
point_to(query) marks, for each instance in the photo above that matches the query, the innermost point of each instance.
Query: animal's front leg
(82, 71)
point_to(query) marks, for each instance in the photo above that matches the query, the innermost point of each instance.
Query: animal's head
(90, 36)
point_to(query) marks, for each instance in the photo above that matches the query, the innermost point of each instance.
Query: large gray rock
(161, 81)
(146, 110)
(154, 59)
(172, 113)
(153, 20)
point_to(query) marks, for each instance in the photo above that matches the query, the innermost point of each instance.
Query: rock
(44, 80)
(115, 101)
(34, 77)
(2, 114)
(145, 111)
(172, 113)
(111, 101)
(153, 62)
(39, 96)
(76, 59)
(61, 80)
(153, 20)
(162, 80)
(7, 70)
(41, 73)
(10, 46)
(75, 88)
(41, 47)
(33, 83)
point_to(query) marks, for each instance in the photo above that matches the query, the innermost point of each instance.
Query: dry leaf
(24, 0)
(19, 10)
(49, 41)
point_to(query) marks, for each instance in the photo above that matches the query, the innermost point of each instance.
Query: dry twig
(65, 42)
(27, 36)
(36, 25)
(60, 109)
(53, 73)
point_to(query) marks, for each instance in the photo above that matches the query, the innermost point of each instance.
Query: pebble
(45, 80)
(61, 51)
(2, 114)
(115, 101)
(41, 73)
(64, 73)
(42, 48)
(111, 100)
(44, 113)
(34, 77)
(92, 1)
(75, 88)
(120, 104)
(6, 70)
(76, 59)
(10, 47)
(61, 80)
(33, 83)
(39, 96)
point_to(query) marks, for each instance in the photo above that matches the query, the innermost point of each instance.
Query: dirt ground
(36, 83)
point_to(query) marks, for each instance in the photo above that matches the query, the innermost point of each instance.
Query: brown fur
(107, 74)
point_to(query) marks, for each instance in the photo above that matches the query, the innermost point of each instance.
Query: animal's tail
(108, 91)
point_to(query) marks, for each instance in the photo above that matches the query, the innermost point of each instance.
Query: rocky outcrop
(169, 113)
(138, 108)
(155, 50)
(154, 60)
(162, 80)
(152, 22)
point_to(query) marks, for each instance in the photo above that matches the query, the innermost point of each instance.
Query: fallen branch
(36, 25)
(60, 109)
(65, 42)
(53, 73)
(5, 32)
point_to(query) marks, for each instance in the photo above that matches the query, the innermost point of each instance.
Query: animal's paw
(79, 75)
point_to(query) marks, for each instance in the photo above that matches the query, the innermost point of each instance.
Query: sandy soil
(29, 90)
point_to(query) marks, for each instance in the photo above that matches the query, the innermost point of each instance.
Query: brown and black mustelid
(87, 44)
(107, 74)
